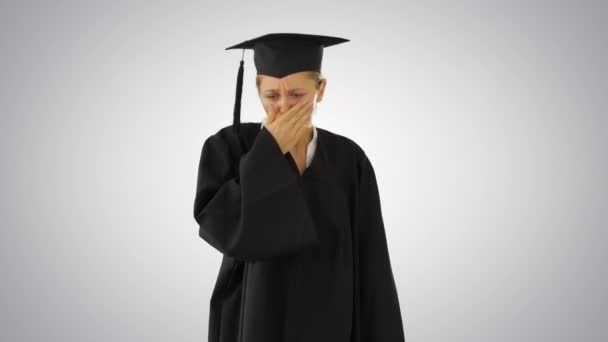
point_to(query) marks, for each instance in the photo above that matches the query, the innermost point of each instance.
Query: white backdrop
(486, 123)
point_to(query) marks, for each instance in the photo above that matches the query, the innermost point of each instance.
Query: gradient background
(486, 123)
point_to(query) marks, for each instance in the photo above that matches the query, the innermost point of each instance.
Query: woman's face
(283, 93)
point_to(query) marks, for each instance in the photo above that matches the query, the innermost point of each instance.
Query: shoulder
(349, 157)
(227, 132)
(225, 137)
(222, 149)
(345, 146)
(342, 143)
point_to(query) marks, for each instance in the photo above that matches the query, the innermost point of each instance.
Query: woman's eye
(272, 97)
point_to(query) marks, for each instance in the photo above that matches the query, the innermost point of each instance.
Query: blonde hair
(313, 75)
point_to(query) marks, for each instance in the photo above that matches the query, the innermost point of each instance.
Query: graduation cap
(279, 55)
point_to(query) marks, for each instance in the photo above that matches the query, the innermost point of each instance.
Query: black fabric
(305, 257)
(281, 54)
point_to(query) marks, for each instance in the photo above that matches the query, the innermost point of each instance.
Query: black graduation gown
(305, 257)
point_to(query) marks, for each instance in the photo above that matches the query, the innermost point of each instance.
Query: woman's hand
(288, 129)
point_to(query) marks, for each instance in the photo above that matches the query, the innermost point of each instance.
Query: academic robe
(305, 257)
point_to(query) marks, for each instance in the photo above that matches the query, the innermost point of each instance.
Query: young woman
(295, 211)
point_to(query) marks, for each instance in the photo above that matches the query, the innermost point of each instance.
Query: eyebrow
(275, 90)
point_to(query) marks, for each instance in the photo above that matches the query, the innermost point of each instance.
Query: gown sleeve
(380, 314)
(258, 213)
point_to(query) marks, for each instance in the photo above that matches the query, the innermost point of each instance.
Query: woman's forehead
(295, 81)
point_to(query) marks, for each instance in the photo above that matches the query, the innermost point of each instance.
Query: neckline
(313, 161)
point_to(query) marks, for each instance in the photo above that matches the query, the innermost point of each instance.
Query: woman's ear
(321, 90)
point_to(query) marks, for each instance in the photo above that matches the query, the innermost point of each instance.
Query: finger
(302, 123)
(300, 111)
(295, 112)
(282, 118)
(272, 114)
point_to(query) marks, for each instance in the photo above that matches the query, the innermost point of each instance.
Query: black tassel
(237, 102)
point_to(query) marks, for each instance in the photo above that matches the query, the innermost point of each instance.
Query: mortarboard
(279, 55)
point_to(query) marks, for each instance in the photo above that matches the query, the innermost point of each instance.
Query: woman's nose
(285, 104)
